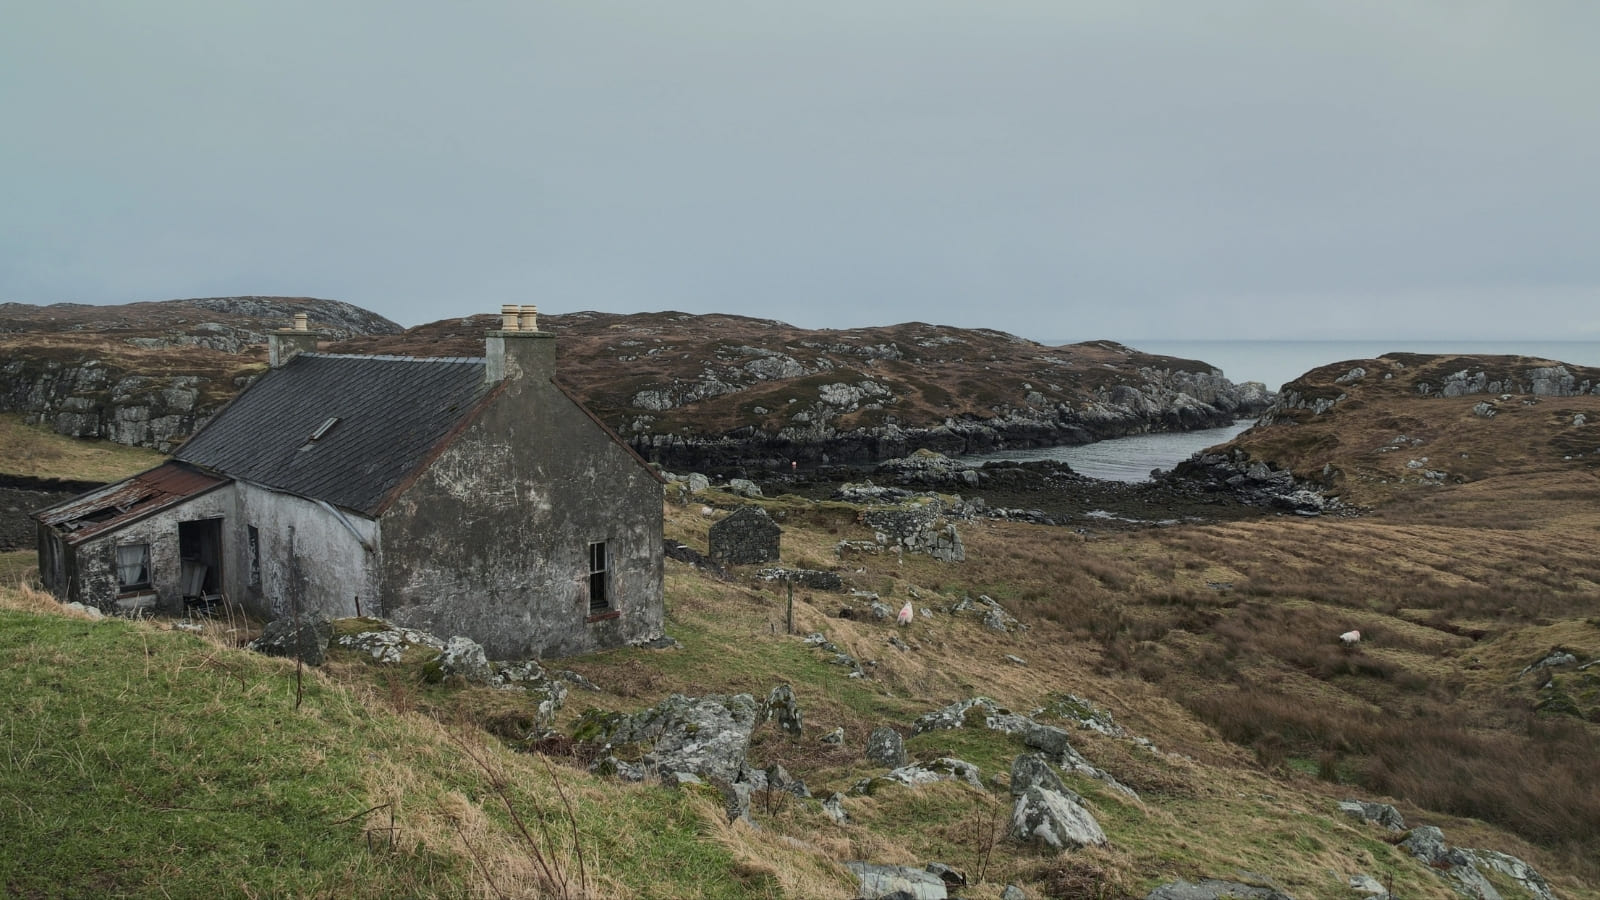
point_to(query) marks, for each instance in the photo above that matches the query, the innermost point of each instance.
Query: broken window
(254, 538)
(599, 579)
(133, 567)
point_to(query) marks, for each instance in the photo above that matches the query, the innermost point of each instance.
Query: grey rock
(779, 779)
(885, 747)
(387, 643)
(87, 612)
(951, 877)
(463, 656)
(1427, 844)
(1368, 886)
(577, 681)
(610, 765)
(1031, 770)
(833, 808)
(736, 799)
(1484, 410)
(1054, 821)
(1520, 872)
(1015, 660)
(1551, 660)
(835, 736)
(744, 487)
(1378, 813)
(698, 483)
(882, 882)
(306, 639)
(1012, 892)
(782, 706)
(705, 736)
(1213, 889)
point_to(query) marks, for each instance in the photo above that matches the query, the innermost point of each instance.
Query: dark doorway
(200, 546)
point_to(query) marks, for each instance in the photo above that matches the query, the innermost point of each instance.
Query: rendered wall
(492, 540)
(308, 558)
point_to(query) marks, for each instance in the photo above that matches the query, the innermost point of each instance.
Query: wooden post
(790, 582)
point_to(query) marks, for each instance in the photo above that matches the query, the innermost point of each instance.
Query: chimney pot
(508, 317)
(530, 317)
(300, 322)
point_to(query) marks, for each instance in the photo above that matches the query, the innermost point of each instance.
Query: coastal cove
(1125, 458)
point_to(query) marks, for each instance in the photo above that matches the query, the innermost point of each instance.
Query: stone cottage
(462, 495)
(746, 537)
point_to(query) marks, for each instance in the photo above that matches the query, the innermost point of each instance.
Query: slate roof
(392, 412)
(110, 507)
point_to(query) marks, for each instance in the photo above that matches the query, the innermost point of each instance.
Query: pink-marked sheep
(1350, 638)
(905, 614)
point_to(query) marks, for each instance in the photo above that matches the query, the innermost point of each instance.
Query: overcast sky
(1062, 170)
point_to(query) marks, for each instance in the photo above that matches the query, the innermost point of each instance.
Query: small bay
(1128, 458)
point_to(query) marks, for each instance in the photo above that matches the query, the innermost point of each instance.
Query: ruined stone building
(464, 495)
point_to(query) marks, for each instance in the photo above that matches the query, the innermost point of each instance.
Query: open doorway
(200, 547)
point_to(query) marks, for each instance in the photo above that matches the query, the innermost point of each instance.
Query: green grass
(38, 452)
(137, 761)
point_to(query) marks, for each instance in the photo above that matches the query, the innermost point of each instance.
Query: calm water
(1129, 458)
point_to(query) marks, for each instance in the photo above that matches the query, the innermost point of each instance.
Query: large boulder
(885, 748)
(1381, 814)
(1054, 821)
(704, 736)
(1427, 844)
(306, 639)
(782, 705)
(898, 882)
(1031, 770)
(465, 657)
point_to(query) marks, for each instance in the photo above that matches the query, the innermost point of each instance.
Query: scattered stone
(1213, 889)
(610, 765)
(1378, 813)
(881, 611)
(88, 612)
(815, 579)
(1054, 821)
(463, 656)
(306, 639)
(698, 483)
(833, 808)
(1012, 892)
(952, 878)
(1368, 886)
(657, 643)
(577, 681)
(704, 736)
(744, 487)
(1556, 657)
(1520, 872)
(942, 769)
(1426, 843)
(782, 706)
(1015, 660)
(898, 644)
(1032, 770)
(897, 882)
(736, 799)
(835, 736)
(186, 625)
(779, 779)
(1484, 410)
(885, 747)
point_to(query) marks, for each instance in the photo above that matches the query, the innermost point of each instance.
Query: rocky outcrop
(1214, 889)
(1054, 820)
(706, 737)
(1254, 482)
(879, 882)
(100, 372)
(1381, 814)
(1464, 868)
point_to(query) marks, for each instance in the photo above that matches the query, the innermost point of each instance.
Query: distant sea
(1277, 362)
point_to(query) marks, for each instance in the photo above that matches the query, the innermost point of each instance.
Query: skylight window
(324, 428)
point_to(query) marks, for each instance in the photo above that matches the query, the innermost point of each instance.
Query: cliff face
(147, 374)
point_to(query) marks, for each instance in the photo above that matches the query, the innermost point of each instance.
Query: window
(133, 567)
(254, 537)
(599, 579)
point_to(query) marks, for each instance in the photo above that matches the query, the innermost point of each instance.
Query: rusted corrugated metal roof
(113, 506)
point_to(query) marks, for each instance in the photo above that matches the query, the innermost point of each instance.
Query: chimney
(519, 351)
(287, 343)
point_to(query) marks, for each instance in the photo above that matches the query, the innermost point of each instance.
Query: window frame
(599, 579)
(135, 587)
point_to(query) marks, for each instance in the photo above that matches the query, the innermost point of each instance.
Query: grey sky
(1062, 170)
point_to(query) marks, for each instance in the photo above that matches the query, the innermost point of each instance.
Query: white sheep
(905, 614)
(1350, 638)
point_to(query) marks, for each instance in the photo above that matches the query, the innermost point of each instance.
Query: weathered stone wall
(492, 541)
(747, 537)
